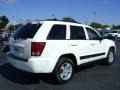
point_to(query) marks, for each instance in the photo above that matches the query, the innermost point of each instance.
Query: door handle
(73, 45)
(92, 44)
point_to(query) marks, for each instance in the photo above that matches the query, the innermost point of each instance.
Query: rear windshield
(26, 31)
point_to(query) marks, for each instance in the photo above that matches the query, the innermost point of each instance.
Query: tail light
(37, 48)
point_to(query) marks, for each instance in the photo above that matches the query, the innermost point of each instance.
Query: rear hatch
(20, 41)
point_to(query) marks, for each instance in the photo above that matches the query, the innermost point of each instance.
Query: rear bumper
(34, 64)
(17, 58)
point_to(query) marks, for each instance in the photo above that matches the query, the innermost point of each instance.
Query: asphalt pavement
(90, 77)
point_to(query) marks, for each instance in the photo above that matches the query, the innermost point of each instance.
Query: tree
(3, 21)
(53, 19)
(116, 27)
(1, 25)
(113, 26)
(12, 27)
(69, 19)
(97, 25)
(105, 26)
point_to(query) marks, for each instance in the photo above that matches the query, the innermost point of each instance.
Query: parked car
(57, 47)
(105, 33)
(115, 34)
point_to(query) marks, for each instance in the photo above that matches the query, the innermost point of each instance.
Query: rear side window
(57, 32)
(27, 31)
(77, 33)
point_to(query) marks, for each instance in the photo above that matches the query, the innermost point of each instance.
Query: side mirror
(101, 38)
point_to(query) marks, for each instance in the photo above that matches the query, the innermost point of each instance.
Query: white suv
(115, 34)
(57, 47)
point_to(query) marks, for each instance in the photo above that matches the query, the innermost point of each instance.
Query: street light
(85, 20)
(53, 15)
(14, 23)
(94, 13)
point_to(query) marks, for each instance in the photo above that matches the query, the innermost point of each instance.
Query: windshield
(26, 31)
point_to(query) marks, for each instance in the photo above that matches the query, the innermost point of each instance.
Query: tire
(64, 70)
(110, 57)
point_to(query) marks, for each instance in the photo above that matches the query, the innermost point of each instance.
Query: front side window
(57, 32)
(92, 34)
(77, 33)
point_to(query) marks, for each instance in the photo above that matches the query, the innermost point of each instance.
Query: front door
(97, 48)
(78, 43)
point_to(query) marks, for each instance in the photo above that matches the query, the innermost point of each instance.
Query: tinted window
(115, 31)
(58, 32)
(92, 34)
(77, 33)
(27, 31)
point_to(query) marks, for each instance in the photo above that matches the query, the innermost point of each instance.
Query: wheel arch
(71, 56)
(68, 55)
(111, 47)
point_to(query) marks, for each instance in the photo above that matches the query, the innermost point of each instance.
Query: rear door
(20, 41)
(78, 43)
(56, 41)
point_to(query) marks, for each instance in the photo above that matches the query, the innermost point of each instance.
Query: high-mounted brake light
(37, 48)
